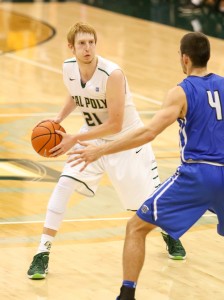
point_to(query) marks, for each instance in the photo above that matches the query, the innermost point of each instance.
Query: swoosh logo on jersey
(138, 150)
(71, 79)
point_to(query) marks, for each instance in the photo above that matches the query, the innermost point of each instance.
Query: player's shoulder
(176, 91)
(68, 63)
(176, 95)
(214, 76)
(70, 60)
(107, 66)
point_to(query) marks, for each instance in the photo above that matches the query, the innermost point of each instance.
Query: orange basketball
(44, 137)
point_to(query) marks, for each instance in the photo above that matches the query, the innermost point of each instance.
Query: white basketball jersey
(91, 99)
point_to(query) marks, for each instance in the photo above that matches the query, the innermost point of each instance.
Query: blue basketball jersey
(202, 130)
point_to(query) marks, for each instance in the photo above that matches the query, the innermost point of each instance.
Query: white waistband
(204, 162)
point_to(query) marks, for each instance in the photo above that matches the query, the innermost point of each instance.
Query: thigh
(88, 180)
(180, 201)
(134, 175)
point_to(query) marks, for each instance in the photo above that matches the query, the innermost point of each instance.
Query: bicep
(162, 119)
(70, 102)
(115, 94)
(172, 109)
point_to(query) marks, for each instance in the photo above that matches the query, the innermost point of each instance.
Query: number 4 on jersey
(214, 102)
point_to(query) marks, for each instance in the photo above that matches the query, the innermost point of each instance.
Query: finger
(75, 151)
(82, 168)
(60, 132)
(85, 144)
(57, 153)
(70, 153)
(73, 158)
(56, 148)
(77, 162)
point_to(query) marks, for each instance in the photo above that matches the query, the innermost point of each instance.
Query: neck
(197, 72)
(87, 69)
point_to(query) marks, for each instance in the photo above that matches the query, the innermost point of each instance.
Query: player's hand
(84, 155)
(66, 143)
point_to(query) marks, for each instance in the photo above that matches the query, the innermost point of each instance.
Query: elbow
(116, 128)
(150, 135)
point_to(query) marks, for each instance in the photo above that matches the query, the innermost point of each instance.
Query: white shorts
(133, 174)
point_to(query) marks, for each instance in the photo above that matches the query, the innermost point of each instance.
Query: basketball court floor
(85, 261)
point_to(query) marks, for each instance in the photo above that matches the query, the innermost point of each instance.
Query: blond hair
(77, 28)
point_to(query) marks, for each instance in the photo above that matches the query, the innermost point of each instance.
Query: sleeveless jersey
(202, 130)
(91, 99)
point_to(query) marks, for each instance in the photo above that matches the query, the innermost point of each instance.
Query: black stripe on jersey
(104, 71)
(69, 61)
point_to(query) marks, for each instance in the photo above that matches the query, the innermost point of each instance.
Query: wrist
(101, 150)
(58, 119)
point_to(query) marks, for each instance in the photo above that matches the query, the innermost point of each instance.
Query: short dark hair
(196, 45)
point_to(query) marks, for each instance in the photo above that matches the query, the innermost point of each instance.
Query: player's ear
(185, 58)
(70, 46)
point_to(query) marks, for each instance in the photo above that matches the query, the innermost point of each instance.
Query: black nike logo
(71, 79)
(138, 150)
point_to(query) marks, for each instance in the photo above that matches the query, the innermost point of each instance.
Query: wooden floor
(85, 260)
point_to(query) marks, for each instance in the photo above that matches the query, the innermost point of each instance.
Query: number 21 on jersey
(91, 119)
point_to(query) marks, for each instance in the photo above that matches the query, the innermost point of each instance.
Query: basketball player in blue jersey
(99, 89)
(197, 103)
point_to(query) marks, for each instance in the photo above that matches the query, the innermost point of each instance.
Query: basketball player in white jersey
(99, 89)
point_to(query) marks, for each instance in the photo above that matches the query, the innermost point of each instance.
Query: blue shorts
(183, 198)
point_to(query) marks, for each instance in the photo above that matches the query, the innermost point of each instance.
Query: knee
(57, 205)
(56, 208)
(136, 226)
(60, 196)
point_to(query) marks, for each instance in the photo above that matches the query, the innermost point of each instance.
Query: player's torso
(91, 97)
(202, 130)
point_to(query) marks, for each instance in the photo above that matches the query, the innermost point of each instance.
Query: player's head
(196, 46)
(82, 41)
(77, 28)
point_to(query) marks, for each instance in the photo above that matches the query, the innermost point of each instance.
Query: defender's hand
(84, 155)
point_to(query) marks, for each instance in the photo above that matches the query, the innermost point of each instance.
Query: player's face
(84, 47)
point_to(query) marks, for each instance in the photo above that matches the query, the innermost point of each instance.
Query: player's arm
(67, 108)
(115, 95)
(174, 106)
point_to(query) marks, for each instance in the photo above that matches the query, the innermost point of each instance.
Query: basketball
(44, 137)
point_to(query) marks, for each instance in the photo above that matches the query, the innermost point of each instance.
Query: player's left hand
(87, 155)
(67, 142)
